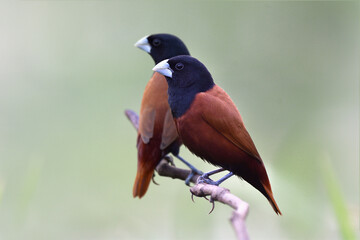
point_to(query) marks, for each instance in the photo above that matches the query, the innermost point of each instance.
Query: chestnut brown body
(213, 129)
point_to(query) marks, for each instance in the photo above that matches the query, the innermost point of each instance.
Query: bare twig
(133, 118)
(164, 169)
(216, 193)
(224, 196)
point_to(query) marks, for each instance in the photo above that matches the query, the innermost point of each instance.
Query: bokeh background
(68, 70)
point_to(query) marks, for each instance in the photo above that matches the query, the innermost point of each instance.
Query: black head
(162, 46)
(186, 77)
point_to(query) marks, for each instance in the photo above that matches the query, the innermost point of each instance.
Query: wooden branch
(216, 193)
(224, 196)
(133, 118)
(164, 169)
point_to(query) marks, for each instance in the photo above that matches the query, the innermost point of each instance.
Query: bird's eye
(179, 66)
(156, 42)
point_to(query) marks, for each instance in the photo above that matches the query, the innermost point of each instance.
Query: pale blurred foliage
(68, 70)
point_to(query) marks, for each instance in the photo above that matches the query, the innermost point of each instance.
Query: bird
(157, 135)
(210, 125)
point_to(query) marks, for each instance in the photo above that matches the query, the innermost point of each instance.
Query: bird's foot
(205, 179)
(211, 200)
(193, 172)
(153, 180)
(170, 160)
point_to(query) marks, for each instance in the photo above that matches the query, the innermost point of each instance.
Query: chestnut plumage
(209, 123)
(157, 135)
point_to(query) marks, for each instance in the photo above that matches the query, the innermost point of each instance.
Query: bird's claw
(192, 173)
(207, 180)
(211, 200)
(153, 180)
(170, 160)
(192, 197)
(213, 204)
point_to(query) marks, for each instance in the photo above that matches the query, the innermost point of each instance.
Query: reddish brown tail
(149, 156)
(269, 195)
(142, 181)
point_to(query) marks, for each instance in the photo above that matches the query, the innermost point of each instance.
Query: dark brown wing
(155, 110)
(156, 132)
(224, 117)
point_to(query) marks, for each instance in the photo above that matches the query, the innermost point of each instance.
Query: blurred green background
(68, 70)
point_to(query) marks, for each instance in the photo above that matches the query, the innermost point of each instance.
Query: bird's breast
(206, 142)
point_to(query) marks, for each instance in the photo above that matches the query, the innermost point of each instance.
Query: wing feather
(147, 123)
(169, 133)
(220, 113)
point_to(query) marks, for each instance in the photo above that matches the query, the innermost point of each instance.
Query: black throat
(180, 99)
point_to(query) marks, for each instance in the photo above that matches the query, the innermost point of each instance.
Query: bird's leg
(205, 177)
(218, 182)
(208, 174)
(192, 168)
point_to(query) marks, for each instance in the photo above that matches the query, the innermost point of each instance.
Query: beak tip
(163, 68)
(143, 44)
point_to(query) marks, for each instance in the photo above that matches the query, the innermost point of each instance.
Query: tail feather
(142, 181)
(258, 178)
(148, 157)
(270, 197)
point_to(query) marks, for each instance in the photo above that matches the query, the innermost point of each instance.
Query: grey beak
(143, 44)
(163, 68)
